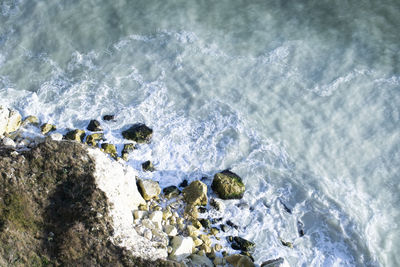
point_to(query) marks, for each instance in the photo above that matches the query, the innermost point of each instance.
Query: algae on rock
(228, 185)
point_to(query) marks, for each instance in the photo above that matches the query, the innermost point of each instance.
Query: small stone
(228, 185)
(148, 166)
(181, 247)
(169, 249)
(156, 217)
(239, 243)
(172, 220)
(206, 239)
(195, 193)
(184, 183)
(205, 223)
(92, 139)
(166, 214)
(198, 260)
(109, 117)
(211, 254)
(56, 136)
(75, 135)
(14, 121)
(170, 230)
(197, 241)
(8, 142)
(217, 204)
(46, 128)
(223, 227)
(171, 191)
(191, 212)
(31, 120)
(217, 247)
(109, 149)
(128, 148)
(148, 224)
(231, 224)
(149, 189)
(139, 214)
(214, 231)
(224, 253)
(148, 234)
(197, 224)
(206, 248)
(139, 133)
(238, 260)
(273, 263)
(143, 207)
(94, 126)
(192, 231)
(202, 209)
(287, 243)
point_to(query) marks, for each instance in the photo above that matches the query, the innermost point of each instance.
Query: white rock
(156, 217)
(147, 234)
(8, 142)
(170, 230)
(56, 136)
(14, 121)
(4, 112)
(149, 188)
(181, 247)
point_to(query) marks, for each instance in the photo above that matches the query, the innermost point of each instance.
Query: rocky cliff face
(52, 211)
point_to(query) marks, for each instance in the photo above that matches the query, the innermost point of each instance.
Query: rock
(94, 126)
(217, 204)
(139, 214)
(8, 142)
(205, 223)
(181, 247)
(214, 231)
(192, 231)
(273, 263)
(148, 234)
(197, 224)
(223, 227)
(184, 183)
(109, 117)
(228, 185)
(75, 135)
(200, 261)
(231, 224)
(156, 218)
(217, 247)
(14, 121)
(238, 260)
(191, 212)
(171, 191)
(47, 127)
(197, 241)
(30, 120)
(92, 139)
(148, 166)
(239, 243)
(149, 189)
(4, 112)
(56, 136)
(170, 230)
(195, 193)
(287, 243)
(206, 240)
(128, 148)
(202, 209)
(109, 149)
(139, 133)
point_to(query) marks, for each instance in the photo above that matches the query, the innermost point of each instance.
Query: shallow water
(300, 98)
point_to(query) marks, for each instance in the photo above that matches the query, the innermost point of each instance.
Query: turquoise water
(301, 98)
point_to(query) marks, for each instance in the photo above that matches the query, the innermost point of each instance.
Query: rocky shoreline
(69, 199)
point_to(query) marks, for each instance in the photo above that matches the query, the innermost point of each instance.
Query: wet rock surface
(139, 133)
(228, 185)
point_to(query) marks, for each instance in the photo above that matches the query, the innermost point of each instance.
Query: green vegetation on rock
(139, 133)
(46, 128)
(228, 185)
(75, 135)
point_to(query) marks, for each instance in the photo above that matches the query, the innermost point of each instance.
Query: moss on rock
(139, 133)
(228, 185)
(47, 127)
(75, 135)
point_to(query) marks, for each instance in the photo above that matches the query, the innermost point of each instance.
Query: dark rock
(300, 228)
(205, 223)
(202, 209)
(109, 149)
(75, 135)
(94, 126)
(171, 191)
(224, 253)
(147, 166)
(248, 254)
(239, 243)
(286, 208)
(216, 220)
(223, 227)
(287, 243)
(273, 263)
(231, 224)
(184, 183)
(128, 148)
(47, 127)
(228, 185)
(92, 139)
(109, 117)
(139, 133)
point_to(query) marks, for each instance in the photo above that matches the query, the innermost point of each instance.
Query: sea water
(300, 98)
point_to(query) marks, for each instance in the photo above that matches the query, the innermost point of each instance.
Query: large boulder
(75, 135)
(181, 247)
(109, 149)
(238, 260)
(139, 133)
(228, 185)
(10, 120)
(149, 189)
(94, 126)
(195, 193)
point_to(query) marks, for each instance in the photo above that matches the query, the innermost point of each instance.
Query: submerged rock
(109, 117)
(139, 133)
(228, 185)
(195, 193)
(147, 166)
(149, 189)
(47, 127)
(240, 243)
(75, 135)
(273, 263)
(94, 126)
